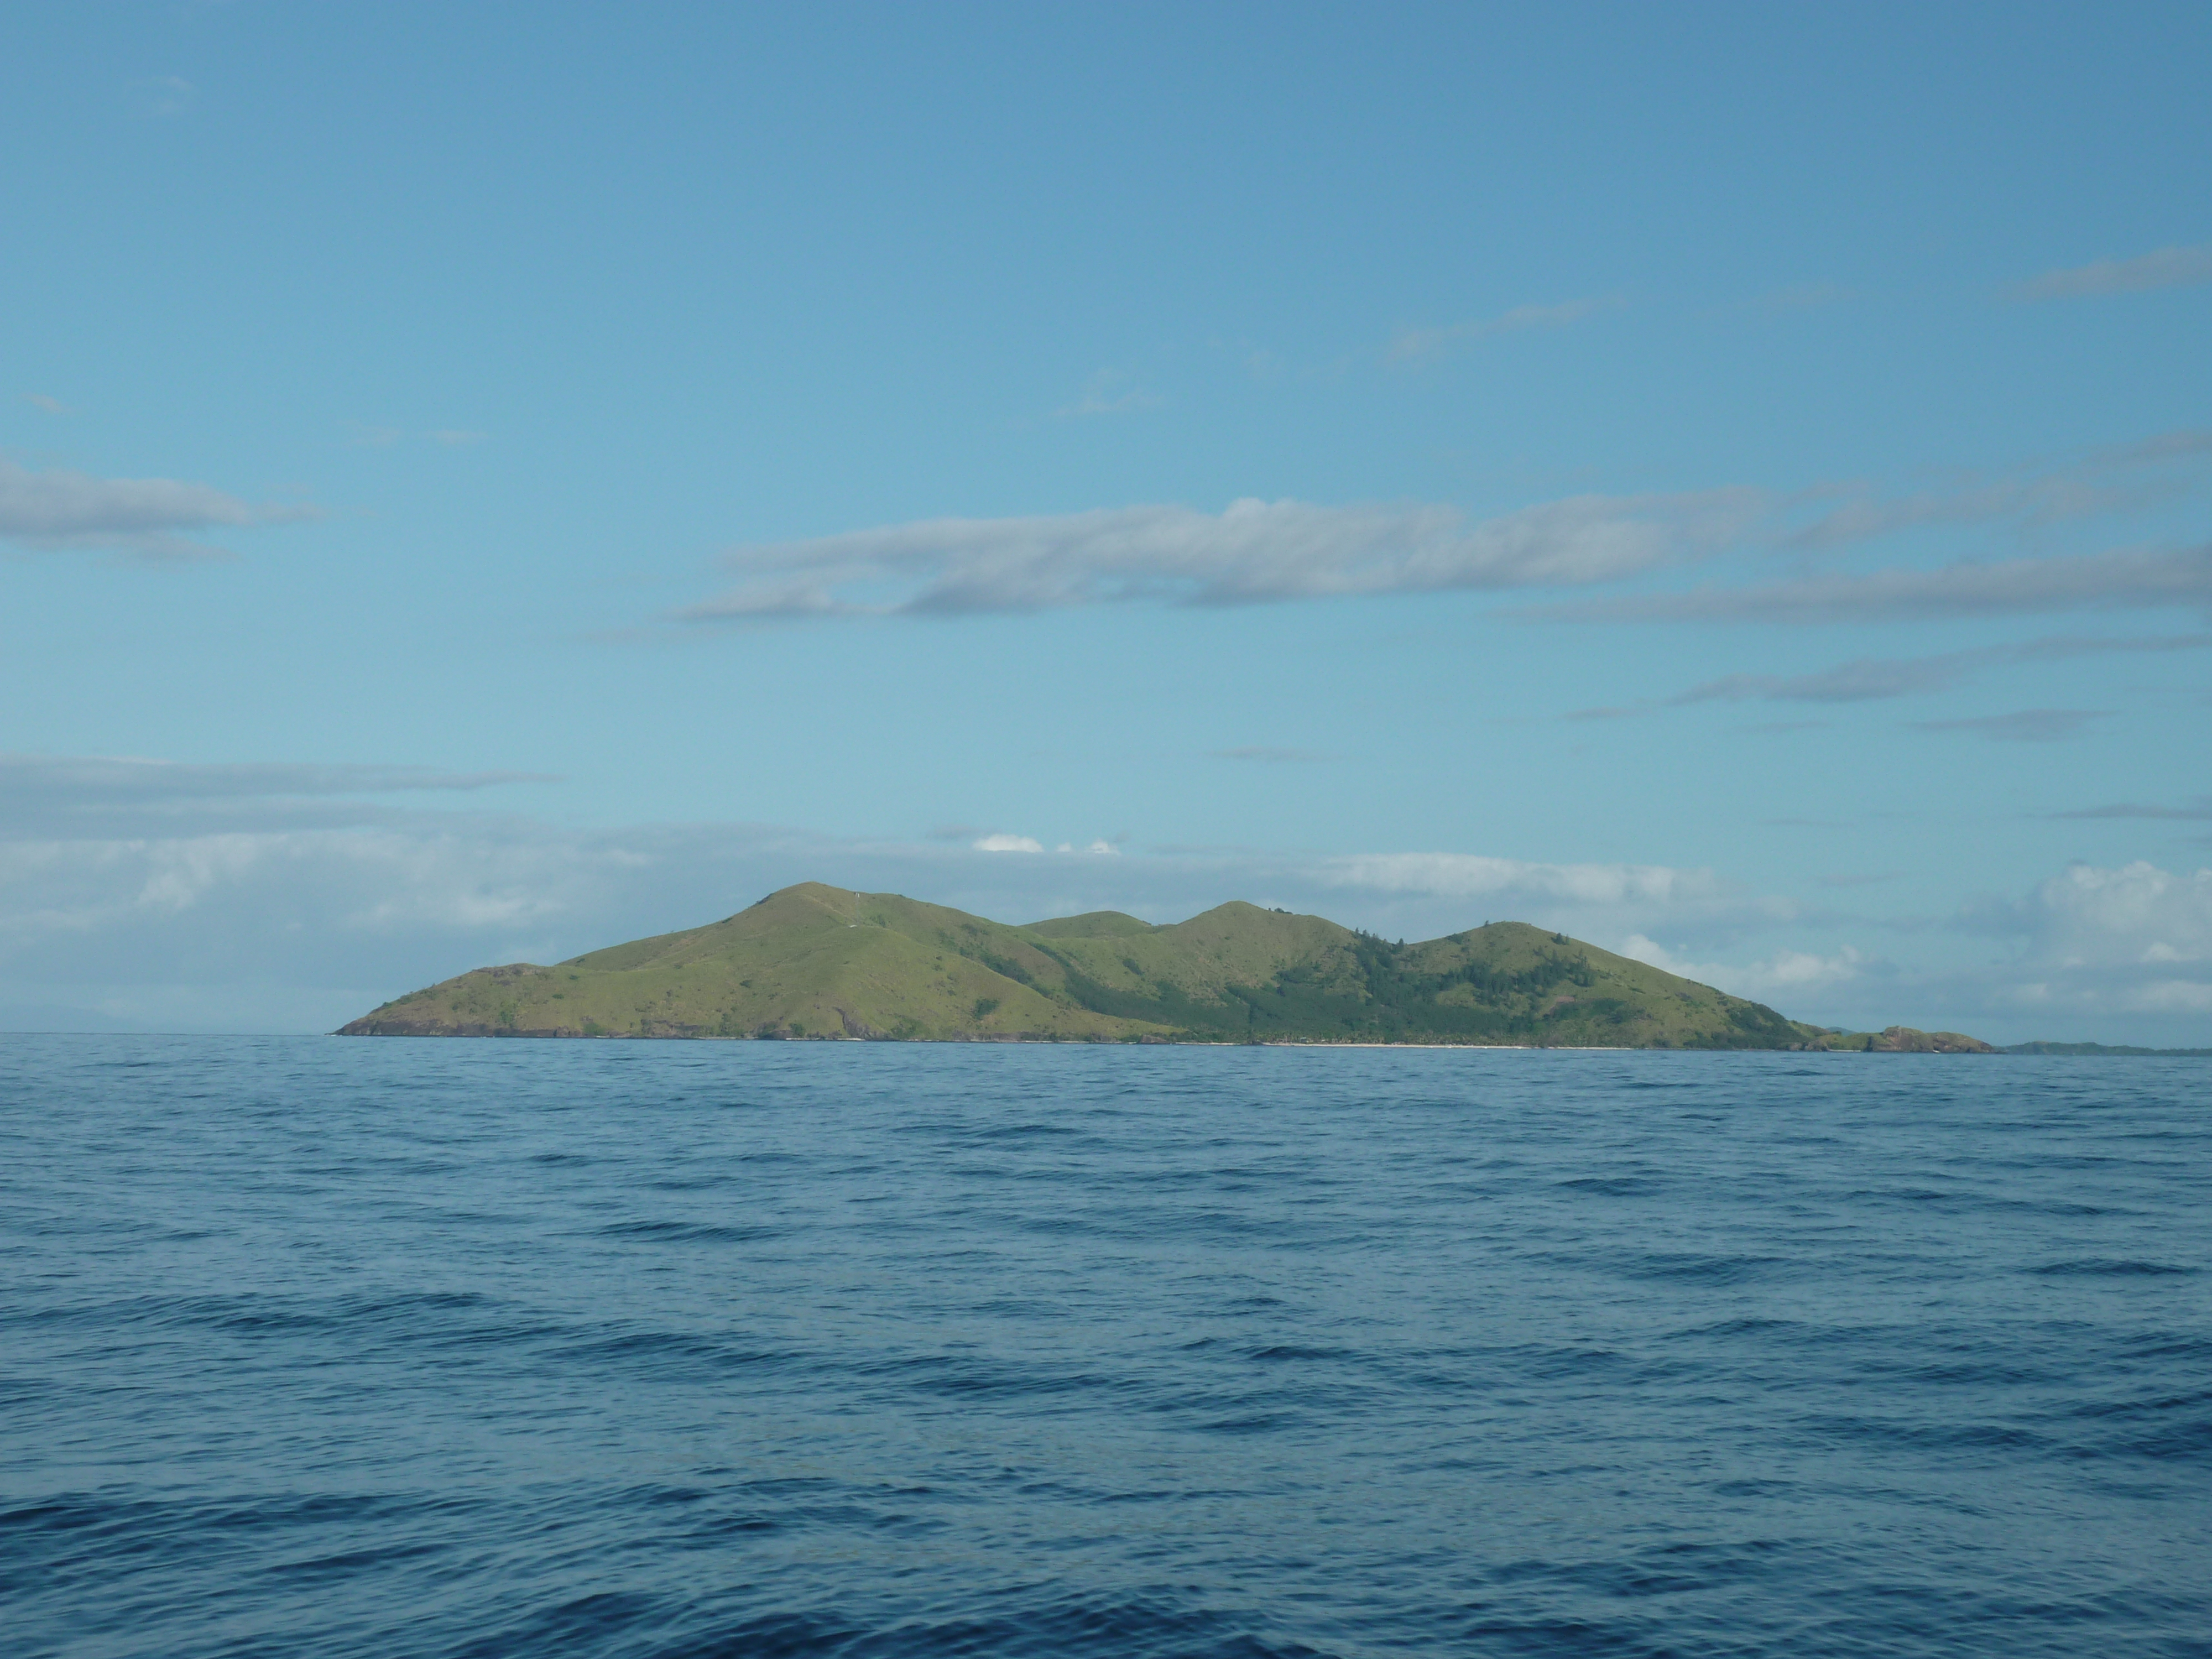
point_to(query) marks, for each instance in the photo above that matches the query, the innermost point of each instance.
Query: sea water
(412, 1347)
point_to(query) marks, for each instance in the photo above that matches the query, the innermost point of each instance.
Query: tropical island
(813, 962)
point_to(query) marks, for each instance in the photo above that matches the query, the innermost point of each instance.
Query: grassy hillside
(813, 961)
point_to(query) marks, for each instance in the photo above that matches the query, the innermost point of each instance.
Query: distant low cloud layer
(147, 517)
(2169, 267)
(274, 897)
(2132, 940)
(1252, 552)
(2108, 954)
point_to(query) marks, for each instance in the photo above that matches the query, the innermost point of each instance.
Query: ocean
(429, 1349)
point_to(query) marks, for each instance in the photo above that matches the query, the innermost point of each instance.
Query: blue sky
(477, 483)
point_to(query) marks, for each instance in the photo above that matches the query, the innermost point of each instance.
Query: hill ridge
(813, 961)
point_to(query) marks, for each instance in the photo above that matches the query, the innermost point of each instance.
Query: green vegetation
(817, 961)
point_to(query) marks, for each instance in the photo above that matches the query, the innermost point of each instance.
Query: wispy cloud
(1258, 551)
(384, 437)
(2123, 579)
(2129, 476)
(1613, 712)
(2197, 814)
(2023, 726)
(1801, 296)
(161, 96)
(1253, 553)
(145, 517)
(52, 405)
(1873, 679)
(113, 795)
(2169, 267)
(1109, 391)
(1420, 344)
(103, 777)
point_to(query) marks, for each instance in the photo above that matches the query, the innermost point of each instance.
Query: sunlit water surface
(399, 1348)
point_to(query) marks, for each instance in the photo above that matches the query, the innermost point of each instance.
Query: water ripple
(435, 1350)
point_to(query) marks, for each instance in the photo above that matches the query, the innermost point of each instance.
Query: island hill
(813, 961)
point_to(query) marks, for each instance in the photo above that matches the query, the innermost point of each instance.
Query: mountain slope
(814, 961)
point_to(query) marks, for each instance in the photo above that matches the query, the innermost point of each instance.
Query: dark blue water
(326, 1347)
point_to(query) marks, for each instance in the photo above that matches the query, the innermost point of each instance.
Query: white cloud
(2172, 996)
(1008, 844)
(2169, 267)
(2119, 954)
(1252, 553)
(2113, 954)
(1787, 974)
(1466, 875)
(2137, 913)
(142, 516)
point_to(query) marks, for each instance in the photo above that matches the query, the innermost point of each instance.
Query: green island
(812, 962)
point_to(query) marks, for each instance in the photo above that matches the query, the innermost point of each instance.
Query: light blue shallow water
(321, 1346)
